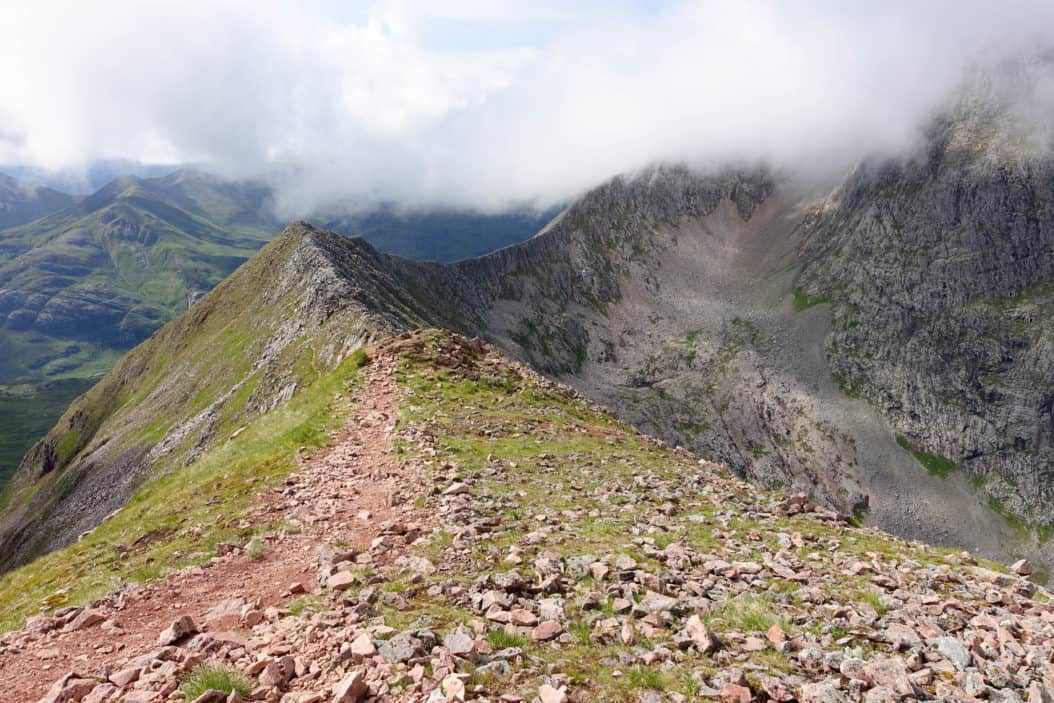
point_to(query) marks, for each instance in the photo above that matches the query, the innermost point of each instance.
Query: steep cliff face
(940, 271)
(667, 297)
(701, 309)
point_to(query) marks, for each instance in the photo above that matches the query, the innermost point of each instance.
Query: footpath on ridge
(479, 533)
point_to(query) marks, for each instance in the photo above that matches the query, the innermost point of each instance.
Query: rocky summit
(467, 530)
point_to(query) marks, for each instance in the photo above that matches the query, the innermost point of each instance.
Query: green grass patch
(646, 678)
(503, 639)
(310, 603)
(802, 301)
(747, 613)
(935, 465)
(210, 677)
(178, 519)
(581, 631)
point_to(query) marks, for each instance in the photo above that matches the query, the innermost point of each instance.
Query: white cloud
(477, 103)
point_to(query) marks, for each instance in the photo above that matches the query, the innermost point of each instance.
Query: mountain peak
(22, 202)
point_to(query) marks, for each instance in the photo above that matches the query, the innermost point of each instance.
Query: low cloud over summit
(477, 106)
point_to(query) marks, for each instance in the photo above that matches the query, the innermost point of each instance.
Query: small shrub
(205, 677)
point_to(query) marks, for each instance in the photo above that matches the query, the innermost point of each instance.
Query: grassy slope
(27, 412)
(206, 349)
(206, 358)
(178, 519)
(198, 229)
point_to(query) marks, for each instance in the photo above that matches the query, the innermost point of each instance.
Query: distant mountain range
(86, 180)
(98, 276)
(84, 279)
(22, 202)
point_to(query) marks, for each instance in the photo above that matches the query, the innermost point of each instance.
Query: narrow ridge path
(341, 495)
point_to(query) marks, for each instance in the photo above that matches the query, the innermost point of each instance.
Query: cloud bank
(479, 105)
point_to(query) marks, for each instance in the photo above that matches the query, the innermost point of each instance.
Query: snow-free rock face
(940, 273)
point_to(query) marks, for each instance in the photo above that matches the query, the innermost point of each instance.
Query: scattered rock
(548, 694)
(182, 627)
(351, 689)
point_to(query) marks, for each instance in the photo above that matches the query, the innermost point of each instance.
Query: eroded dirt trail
(341, 495)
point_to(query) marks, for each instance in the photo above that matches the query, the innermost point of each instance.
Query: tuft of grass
(873, 599)
(935, 465)
(311, 602)
(690, 686)
(211, 677)
(255, 550)
(802, 301)
(646, 678)
(581, 631)
(502, 639)
(748, 613)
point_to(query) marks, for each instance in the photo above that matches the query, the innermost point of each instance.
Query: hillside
(477, 530)
(86, 283)
(294, 312)
(22, 202)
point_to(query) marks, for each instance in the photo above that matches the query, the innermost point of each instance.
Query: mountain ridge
(475, 530)
(738, 314)
(572, 300)
(85, 283)
(22, 202)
